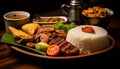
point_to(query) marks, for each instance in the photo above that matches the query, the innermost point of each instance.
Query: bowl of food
(16, 19)
(49, 19)
(97, 16)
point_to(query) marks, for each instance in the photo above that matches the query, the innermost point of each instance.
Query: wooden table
(11, 59)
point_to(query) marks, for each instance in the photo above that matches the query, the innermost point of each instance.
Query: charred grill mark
(62, 43)
(57, 43)
(74, 51)
(69, 49)
(54, 40)
(67, 46)
(63, 46)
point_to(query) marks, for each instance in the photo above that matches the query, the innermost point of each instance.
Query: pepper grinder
(74, 11)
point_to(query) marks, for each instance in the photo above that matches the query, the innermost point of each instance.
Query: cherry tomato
(53, 50)
(88, 30)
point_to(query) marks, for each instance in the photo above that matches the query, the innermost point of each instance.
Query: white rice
(88, 42)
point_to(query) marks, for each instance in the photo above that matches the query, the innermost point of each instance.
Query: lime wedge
(41, 46)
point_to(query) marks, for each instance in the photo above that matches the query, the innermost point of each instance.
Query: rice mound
(87, 42)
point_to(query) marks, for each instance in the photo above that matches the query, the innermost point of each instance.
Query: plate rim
(66, 57)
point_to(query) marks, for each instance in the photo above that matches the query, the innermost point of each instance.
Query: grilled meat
(54, 40)
(65, 47)
(47, 35)
(30, 44)
(44, 38)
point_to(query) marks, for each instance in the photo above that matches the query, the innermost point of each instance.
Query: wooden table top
(11, 59)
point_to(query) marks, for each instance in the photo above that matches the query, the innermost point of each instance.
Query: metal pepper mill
(73, 11)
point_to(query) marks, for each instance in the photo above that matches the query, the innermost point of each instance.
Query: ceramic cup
(16, 19)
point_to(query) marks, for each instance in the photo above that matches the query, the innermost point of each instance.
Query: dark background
(42, 6)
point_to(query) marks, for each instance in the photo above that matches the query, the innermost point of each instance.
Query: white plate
(46, 17)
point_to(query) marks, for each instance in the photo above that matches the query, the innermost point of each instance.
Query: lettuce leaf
(66, 28)
(9, 39)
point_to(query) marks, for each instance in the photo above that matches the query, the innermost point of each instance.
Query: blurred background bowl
(98, 21)
(49, 19)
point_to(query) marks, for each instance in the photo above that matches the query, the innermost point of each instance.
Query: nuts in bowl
(97, 16)
(95, 11)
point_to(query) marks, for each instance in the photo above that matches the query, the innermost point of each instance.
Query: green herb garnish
(66, 28)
